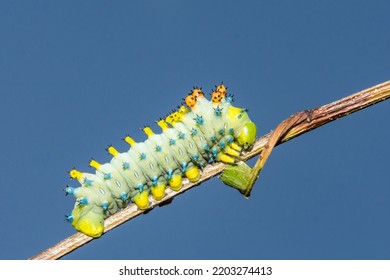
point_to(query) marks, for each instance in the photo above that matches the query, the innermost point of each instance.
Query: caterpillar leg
(231, 152)
(158, 190)
(193, 173)
(141, 200)
(175, 182)
(235, 146)
(225, 158)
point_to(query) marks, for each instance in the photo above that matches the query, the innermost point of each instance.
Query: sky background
(77, 76)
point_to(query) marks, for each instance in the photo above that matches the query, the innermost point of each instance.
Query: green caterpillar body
(200, 133)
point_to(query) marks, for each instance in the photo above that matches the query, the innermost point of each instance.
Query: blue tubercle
(158, 148)
(195, 157)
(105, 205)
(88, 182)
(69, 190)
(194, 131)
(199, 120)
(222, 144)
(126, 165)
(69, 218)
(172, 141)
(182, 135)
(169, 174)
(155, 180)
(107, 176)
(229, 99)
(214, 151)
(140, 187)
(184, 166)
(83, 201)
(142, 156)
(214, 138)
(124, 196)
(218, 111)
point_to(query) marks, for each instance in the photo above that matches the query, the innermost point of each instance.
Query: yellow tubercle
(112, 151)
(93, 163)
(176, 116)
(130, 140)
(163, 124)
(158, 191)
(142, 200)
(193, 174)
(148, 131)
(170, 119)
(75, 174)
(175, 182)
(233, 112)
(183, 110)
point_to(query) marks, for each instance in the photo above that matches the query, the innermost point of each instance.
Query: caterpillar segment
(196, 134)
(212, 125)
(147, 162)
(133, 175)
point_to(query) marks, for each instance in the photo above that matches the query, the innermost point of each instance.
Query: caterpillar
(198, 133)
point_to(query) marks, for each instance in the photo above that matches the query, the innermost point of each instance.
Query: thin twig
(275, 137)
(315, 118)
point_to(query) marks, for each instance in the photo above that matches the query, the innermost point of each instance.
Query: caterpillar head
(88, 221)
(244, 127)
(248, 135)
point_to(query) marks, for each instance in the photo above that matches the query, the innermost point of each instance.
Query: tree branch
(314, 118)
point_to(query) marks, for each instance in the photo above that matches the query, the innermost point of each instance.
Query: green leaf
(237, 176)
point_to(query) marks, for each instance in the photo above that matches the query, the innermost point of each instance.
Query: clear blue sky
(77, 76)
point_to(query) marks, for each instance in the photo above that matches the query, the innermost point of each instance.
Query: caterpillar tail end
(90, 223)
